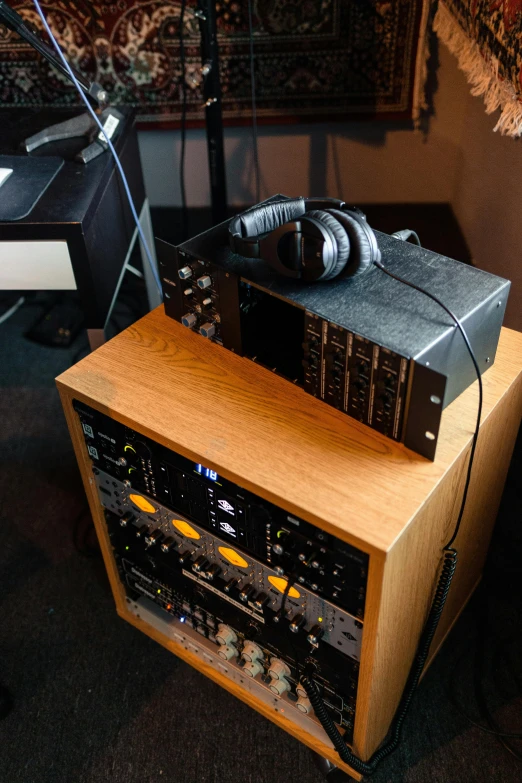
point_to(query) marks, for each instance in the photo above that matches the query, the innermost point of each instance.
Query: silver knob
(303, 705)
(279, 686)
(277, 549)
(252, 668)
(121, 461)
(189, 320)
(227, 651)
(252, 652)
(185, 273)
(208, 330)
(225, 635)
(205, 281)
(278, 669)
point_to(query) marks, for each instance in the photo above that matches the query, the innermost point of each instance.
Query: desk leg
(96, 338)
(153, 295)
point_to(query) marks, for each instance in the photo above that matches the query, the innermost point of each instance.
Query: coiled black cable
(346, 755)
(443, 586)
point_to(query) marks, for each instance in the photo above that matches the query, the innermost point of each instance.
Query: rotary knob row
(206, 330)
(185, 273)
(252, 656)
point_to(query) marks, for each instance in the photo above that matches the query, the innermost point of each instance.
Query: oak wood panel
(85, 465)
(365, 487)
(413, 566)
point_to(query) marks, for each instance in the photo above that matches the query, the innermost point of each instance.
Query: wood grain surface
(272, 438)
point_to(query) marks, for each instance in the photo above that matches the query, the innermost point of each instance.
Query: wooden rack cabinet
(269, 437)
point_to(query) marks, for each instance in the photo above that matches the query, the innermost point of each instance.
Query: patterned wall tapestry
(314, 59)
(486, 37)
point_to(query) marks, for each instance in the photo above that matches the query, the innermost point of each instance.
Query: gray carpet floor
(94, 700)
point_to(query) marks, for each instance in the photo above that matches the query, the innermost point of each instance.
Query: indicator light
(182, 619)
(126, 547)
(158, 591)
(319, 619)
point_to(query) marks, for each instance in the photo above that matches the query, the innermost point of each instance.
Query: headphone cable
(443, 585)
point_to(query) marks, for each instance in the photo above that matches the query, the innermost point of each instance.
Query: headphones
(306, 238)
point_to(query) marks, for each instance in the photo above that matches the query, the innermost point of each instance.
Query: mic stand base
(76, 127)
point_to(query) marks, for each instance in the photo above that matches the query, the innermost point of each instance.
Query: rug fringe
(420, 104)
(481, 73)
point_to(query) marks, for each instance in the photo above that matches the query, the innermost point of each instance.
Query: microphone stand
(83, 124)
(206, 15)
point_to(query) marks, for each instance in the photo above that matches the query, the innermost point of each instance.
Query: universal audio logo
(226, 506)
(226, 528)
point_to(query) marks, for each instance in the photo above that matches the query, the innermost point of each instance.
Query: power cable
(183, 126)
(12, 310)
(254, 107)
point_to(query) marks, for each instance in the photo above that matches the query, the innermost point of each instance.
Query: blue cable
(109, 143)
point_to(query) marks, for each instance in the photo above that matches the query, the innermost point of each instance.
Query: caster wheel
(329, 771)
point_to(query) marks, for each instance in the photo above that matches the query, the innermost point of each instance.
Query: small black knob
(167, 544)
(153, 538)
(297, 622)
(261, 600)
(212, 571)
(230, 585)
(200, 564)
(142, 531)
(315, 634)
(246, 592)
(185, 557)
(127, 519)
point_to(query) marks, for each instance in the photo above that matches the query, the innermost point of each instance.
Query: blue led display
(206, 472)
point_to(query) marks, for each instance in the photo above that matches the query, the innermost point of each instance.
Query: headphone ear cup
(362, 253)
(341, 242)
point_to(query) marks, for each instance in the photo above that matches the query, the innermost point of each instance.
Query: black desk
(86, 207)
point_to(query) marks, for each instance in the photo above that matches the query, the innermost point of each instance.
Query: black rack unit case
(370, 346)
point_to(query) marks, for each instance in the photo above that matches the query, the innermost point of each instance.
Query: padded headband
(245, 230)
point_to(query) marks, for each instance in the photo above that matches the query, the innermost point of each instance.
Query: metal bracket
(425, 410)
